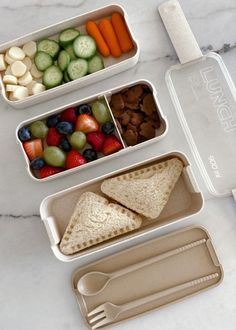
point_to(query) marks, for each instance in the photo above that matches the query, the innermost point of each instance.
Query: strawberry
(33, 148)
(49, 170)
(69, 115)
(74, 159)
(111, 145)
(86, 123)
(53, 137)
(96, 139)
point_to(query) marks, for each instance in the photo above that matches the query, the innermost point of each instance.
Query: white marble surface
(35, 288)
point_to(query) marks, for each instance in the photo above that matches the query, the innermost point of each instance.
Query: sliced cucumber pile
(84, 46)
(51, 47)
(52, 77)
(77, 68)
(43, 61)
(72, 57)
(95, 64)
(68, 36)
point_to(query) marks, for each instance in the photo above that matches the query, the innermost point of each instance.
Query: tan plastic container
(56, 210)
(112, 65)
(160, 132)
(186, 257)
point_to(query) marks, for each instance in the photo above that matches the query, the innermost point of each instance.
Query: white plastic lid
(205, 99)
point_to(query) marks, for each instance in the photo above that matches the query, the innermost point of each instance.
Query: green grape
(78, 140)
(54, 156)
(101, 112)
(39, 129)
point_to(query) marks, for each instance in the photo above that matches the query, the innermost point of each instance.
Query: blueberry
(53, 120)
(83, 108)
(37, 163)
(65, 145)
(24, 134)
(64, 127)
(108, 128)
(90, 155)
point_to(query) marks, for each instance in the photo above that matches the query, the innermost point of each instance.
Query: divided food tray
(56, 210)
(160, 132)
(197, 264)
(112, 65)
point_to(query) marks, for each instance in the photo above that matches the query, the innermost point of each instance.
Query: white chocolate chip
(20, 93)
(30, 48)
(16, 53)
(38, 88)
(9, 79)
(2, 63)
(18, 68)
(35, 72)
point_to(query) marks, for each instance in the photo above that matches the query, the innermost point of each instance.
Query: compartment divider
(114, 120)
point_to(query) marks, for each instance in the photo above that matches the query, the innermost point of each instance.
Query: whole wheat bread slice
(145, 191)
(95, 220)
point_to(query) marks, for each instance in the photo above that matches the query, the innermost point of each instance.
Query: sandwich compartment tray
(160, 132)
(112, 65)
(188, 265)
(56, 210)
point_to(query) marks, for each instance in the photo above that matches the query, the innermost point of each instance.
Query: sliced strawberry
(49, 170)
(33, 148)
(53, 137)
(111, 145)
(86, 123)
(96, 139)
(74, 159)
(69, 115)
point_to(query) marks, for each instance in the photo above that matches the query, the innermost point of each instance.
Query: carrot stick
(94, 32)
(122, 32)
(109, 35)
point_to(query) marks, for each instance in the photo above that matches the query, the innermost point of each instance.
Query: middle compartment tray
(148, 117)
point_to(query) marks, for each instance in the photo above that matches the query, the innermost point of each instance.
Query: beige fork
(108, 312)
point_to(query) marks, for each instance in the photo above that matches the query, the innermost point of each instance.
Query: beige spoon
(94, 282)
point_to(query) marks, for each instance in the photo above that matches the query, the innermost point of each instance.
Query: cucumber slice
(95, 64)
(66, 78)
(52, 77)
(63, 60)
(77, 68)
(70, 50)
(67, 36)
(50, 47)
(43, 61)
(84, 46)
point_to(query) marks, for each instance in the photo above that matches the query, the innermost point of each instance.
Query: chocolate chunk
(117, 101)
(147, 130)
(137, 118)
(125, 119)
(131, 137)
(148, 105)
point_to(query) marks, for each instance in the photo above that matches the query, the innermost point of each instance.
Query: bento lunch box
(56, 210)
(112, 65)
(160, 132)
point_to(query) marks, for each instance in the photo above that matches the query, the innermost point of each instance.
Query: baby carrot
(94, 32)
(109, 35)
(122, 33)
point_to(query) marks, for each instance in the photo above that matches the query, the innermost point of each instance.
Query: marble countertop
(35, 290)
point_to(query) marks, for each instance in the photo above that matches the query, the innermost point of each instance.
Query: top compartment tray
(112, 65)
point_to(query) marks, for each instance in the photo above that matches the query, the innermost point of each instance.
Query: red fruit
(74, 159)
(86, 123)
(96, 139)
(33, 148)
(111, 145)
(49, 170)
(69, 115)
(53, 137)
